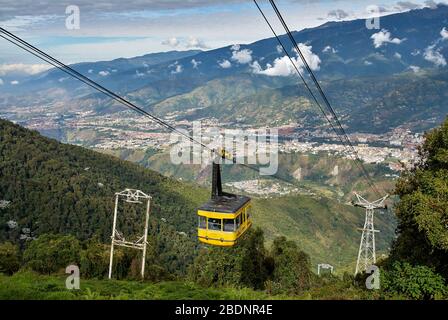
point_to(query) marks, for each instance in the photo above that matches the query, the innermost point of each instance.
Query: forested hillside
(56, 188)
(64, 189)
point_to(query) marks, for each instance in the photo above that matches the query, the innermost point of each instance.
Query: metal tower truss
(366, 253)
(118, 239)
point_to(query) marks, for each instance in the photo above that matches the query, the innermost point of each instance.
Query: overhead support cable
(337, 128)
(63, 67)
(10, 37)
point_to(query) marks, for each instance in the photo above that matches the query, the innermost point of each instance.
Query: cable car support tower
(366, 253)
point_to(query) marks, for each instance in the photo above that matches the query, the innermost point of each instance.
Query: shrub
(292, 267)
(239, 266)
(50, 253)
(9, 258)
(95, 260)
(415, 282)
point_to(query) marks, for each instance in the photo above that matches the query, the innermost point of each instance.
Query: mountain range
(387, 74)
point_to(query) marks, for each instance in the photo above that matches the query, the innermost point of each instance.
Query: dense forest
(57, 203)
(64, 189)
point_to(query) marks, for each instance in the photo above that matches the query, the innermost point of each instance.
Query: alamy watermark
(73, 20)
(252, 147)
(373, 280)
(73, 280)
(373, 21)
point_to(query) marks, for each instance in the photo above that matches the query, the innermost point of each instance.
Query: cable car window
(214, 224)
(248, 213)
(238, 221)
(202, 223)
(229, 225)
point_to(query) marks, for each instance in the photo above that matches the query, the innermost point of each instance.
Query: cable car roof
(225, 204)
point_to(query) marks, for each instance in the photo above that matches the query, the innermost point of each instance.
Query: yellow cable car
(225, 217)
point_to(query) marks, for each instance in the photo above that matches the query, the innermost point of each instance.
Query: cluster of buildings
(126, 130)
(265, 188)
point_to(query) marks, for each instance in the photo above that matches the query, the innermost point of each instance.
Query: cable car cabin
(225, 217)
(223, 220)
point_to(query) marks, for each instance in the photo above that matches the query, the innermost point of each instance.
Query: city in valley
(395, 150)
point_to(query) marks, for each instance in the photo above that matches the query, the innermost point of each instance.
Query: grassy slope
(29, 286)
(324, 228)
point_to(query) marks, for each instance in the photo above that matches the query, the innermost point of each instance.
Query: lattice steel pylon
(366, 253)
(130, 196)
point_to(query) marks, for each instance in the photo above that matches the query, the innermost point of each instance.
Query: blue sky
(112, 29)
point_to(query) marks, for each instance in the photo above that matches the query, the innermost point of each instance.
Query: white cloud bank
(433, 55)
(190, 43)
(282, 67)
(171, 42)
(444, 34)
(243, 56)
(23, 68)
(195, 63)
(415, 69)
(383, 37)
(178, 68)
(196, 43)
(225, 64)
(329, 49)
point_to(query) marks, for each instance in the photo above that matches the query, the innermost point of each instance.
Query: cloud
(433, 55)
(368, 63)
(383, 37)
(338, 14)
(225, 64)
(406, 5)
(312, 59)
(431, 4)
(279, 49)
(14, 82)
(1, 82)
(178, 68)
(44, 7)
(196, 43)
(329, 49)
(139, 74)
(235, 47)
(415, 69)
(282, 67)
(104, 73)
(190, 43)
(23, 68)
(243, 56)
(171, 42)
(195, 63)
(397, 55)
(434, 5)
(444, 34)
